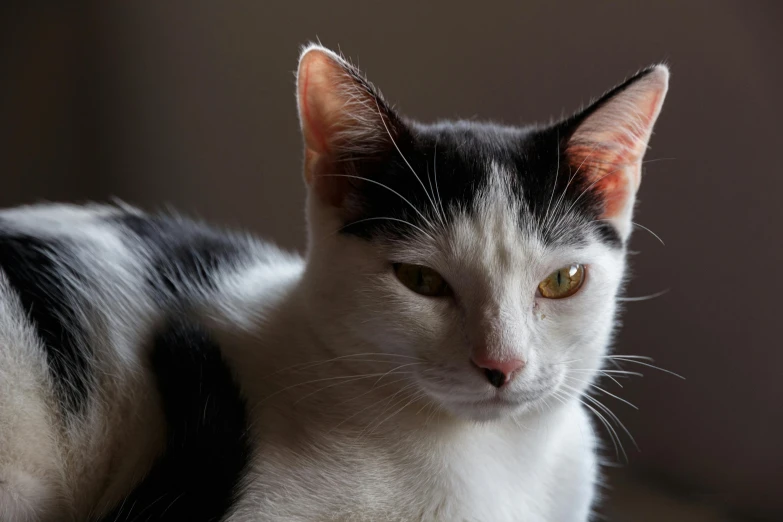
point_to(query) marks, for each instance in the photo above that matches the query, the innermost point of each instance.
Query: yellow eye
(562, 283)
(422, 280)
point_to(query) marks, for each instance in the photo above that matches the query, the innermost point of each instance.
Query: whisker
(395, 369)
(423, 407)
(362, 178)
(363, 409)
(413, 397)
(433, 412)
(351, 380)
(612, 416)
(387, 401)
(636, 361)
(432, 190)
(655, 160)
(621, 372)
(632, 405)
(390, 404)
(565, 190)
(642, 357)
(613, 436)
(643, 297)
(554, 186)
(387, 219)
(343, 377)
(614, 356)
(616, 419)
(310, 364)
(383, 120)
(437, 189)
(374, 387)
(601, 373)
(591, 185)
(656, 236)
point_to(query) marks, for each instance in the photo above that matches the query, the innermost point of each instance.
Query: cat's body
(420, 466)
(155, 369)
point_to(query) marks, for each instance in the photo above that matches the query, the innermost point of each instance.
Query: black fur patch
(30, 265)
(207, 450)
(453, 162)
(184, 254)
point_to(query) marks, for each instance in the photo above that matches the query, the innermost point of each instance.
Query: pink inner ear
(611, 172)
(312, 114)
(615, 191)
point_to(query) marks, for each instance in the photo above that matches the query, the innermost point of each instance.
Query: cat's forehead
(495, 230)
(490, 236)
(479, 173)
(514, 172)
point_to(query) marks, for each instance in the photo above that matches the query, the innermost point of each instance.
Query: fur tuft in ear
(343, 117)
(609, 139)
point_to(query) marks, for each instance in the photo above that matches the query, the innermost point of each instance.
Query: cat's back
(76, 276)
(84, 291)
(65, 264)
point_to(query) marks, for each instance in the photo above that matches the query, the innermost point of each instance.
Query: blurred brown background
(191, 104)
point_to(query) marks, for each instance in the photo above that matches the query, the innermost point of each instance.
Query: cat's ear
(608, 140)
(344, 121)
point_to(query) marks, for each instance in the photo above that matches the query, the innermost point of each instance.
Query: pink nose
(497, 372)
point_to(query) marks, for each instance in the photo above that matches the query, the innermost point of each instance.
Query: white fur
(30, 470)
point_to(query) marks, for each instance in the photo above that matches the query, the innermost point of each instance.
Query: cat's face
(486, 259)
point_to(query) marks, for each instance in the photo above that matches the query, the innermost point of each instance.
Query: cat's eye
(422, 280)
(563, 282)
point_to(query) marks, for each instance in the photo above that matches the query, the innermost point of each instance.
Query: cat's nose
(498, 372)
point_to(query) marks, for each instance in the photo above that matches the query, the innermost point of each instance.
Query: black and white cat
(423, 362)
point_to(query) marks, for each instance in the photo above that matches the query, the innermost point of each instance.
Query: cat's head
(488, 258)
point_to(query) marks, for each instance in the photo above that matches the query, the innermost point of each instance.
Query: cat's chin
(485, 410)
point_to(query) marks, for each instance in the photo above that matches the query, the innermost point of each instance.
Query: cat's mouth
(500, 404)
(511, 401)
(498, 401)
(467, 396)
(486, 409)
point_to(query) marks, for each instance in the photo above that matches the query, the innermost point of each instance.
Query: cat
(424, 361)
